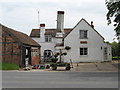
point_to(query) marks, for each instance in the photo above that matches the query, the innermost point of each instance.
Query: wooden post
(71, 63)
(60, 55)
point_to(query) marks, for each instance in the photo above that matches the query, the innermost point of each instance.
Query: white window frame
(48, 38)
(83, 34)
(85, 52)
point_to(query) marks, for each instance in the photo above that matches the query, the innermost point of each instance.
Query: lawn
(115, 58)
(8, 66)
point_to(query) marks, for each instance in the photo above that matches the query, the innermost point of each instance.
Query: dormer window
(48, 38)
(83, 34)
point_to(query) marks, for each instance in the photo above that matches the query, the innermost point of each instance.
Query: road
(22, 79)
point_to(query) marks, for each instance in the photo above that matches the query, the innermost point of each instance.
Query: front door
(105, 54)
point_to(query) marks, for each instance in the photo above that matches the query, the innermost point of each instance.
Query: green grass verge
(8, 66)
(115, 58)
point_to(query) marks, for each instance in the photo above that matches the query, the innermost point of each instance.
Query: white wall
(95, 45)
(95, 42)
(59, 40)
(45, 45)
(109, 52)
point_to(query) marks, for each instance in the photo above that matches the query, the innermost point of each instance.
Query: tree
(113, 14)
(114, 49)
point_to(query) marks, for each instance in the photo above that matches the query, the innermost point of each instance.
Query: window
(48, 38)
(34, 50)
(83, 51)
(47, 53)
(83, 34)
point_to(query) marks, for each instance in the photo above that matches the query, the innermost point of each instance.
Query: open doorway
(26, 56)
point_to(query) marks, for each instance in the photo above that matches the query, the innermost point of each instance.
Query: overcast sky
(22, 15)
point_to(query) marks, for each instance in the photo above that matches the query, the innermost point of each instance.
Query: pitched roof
(36, 32)
(92, 28)
(59, 44)
(21, 37)
(51, 32)
(89, 25)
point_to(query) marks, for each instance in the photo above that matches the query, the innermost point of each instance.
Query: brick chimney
(60, 21)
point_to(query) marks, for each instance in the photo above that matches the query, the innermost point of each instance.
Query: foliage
(114, 14)
(47, 66)
(54, 66)
(116, 58)
(64, 53)
(61, 64)
(115, 49)
(61, 54)
(55, 55)
(107, 42)
(67, 48)
(0, 66)
(54, 60)
(8, 66)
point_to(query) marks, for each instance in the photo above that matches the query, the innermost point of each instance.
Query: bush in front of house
(64, 53)
(8, 66)
(47, 66)
(54, 66)
(55, 55)
(54, 60)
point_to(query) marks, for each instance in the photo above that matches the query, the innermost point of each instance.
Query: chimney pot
(60, 12)
(92, 24)
(42, 25)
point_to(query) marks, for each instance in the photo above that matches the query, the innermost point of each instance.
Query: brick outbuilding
(17, 47)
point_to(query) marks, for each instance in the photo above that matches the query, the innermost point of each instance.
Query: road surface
(22, 79)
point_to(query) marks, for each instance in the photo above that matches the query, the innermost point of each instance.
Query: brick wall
(10, 49)
(35, 54)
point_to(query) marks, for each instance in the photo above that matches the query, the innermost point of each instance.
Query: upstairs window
(48, 38)
(83, 34)
(83, 51)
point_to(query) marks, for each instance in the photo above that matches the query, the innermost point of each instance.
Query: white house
(86, 44)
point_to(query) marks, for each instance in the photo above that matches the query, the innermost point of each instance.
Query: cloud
(22, 14)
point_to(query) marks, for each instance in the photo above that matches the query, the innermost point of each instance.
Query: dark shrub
(67, 48)
(54, 66)
(64, 53)
(47, 66)
(54, 60)
(55, 55)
